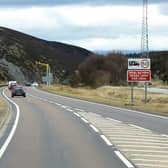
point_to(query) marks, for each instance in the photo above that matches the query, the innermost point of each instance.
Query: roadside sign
(138, 75)
(139, 63)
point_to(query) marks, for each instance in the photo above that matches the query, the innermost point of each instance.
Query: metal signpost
(47, 78)
(138, 71)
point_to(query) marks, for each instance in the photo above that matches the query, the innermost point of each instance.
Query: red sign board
(138, 75)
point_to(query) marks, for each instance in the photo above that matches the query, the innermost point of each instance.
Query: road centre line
(12, 132)
(83, 119)
(77, 114)
(123, 159)
(106, 140)
(94, 128)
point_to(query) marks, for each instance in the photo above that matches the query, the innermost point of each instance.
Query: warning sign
(138, 75)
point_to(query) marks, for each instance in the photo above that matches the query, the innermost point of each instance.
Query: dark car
(18, 91)
(28, 84)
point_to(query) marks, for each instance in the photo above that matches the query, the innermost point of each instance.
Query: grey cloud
(70, 32)
(68, 2)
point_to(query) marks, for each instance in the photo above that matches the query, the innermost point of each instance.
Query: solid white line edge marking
(9, 138)
(94, 128)
(106, 140)
(83, 119)
(123, 159)
(77, 114)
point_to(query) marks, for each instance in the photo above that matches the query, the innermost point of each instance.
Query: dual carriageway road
(55, 131)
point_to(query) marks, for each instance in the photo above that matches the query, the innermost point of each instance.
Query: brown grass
(116, 96)
(3, 108)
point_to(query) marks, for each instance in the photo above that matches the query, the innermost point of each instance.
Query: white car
(35, 84)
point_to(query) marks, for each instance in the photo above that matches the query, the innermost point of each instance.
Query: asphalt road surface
(59, 132)
(48, 136)
(158, 90)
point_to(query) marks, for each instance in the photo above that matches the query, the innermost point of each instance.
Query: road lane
(155, 123)
(49, 136)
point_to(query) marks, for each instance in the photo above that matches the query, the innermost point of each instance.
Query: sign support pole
(146, 91)
(132, 94)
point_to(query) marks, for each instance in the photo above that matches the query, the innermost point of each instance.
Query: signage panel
(138, 75)
(138, 63)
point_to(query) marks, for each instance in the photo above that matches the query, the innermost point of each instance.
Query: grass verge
(3, 109)
(116, 96)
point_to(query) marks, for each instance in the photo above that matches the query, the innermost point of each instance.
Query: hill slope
(19, 52)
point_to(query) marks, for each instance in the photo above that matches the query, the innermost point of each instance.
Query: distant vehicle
(12, 84)
(35, 84)
(28, 84)
(18, 91)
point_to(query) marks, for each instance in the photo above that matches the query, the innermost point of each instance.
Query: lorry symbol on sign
(133, 63)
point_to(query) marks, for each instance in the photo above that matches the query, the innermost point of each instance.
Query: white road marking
(56, 104)
(106, 140)
(123, 159)
(79, 109)
(64, 106)
(111, 119)
(113, 107)
(164, 135)
(149, 155)
(150, 160)
(77, 114)
(151, 165)
(135, 126)
(69, 110)
(146, 151)
(94, 128)
(9, 138)
(83, 119)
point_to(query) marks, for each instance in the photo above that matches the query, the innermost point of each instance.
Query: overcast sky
(95, 25)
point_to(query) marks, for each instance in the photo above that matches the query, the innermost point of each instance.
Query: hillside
(19, 52)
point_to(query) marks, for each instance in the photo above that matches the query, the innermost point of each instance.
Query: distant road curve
(158, 90)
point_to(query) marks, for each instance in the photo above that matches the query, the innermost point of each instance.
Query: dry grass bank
(3, 108)
(116, 96)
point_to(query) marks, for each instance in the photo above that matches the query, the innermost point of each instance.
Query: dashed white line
(106, 140)
(164, 135)
(83, 119)
(94, 128)
(113, 120)
(123, 159)
(77, 114)
(56, 104)
(135, 126)
(79, 109)
(63, 106)
(69, 110)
